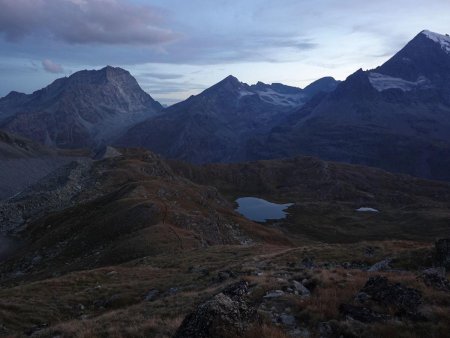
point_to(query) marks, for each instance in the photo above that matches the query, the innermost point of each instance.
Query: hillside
(128, 245)
(326, 196)
(23, 162)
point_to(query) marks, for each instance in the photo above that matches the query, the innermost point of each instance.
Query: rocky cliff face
(87, 109)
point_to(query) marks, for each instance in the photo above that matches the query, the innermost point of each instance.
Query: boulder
(152, 295)
(436, 279)
(224, 275)
(393, 295)
(225, 315)
(236, 291)
(274, 294)
(362, 314)
(301, 289)
(380, 266)
(307, 263)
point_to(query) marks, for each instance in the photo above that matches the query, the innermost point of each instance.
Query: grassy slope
(150, 228)
(326, 195)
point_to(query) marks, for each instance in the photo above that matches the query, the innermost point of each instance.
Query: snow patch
(366, 209)
(443, 40)
(244, 92)
(280, 99)
(382, 82)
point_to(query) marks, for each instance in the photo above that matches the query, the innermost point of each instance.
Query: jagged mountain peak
(104, 75)
(230, 80)
(426, 56)
(13, 94)
(442, 40)
(230, 84)
(87, 109)
(324, 84)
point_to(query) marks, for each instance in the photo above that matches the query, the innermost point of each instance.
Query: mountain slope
(117, 209)
(215, 125)
(395, 117)
(142, 241)
(23, 162)
(326, 196)
(86, 109)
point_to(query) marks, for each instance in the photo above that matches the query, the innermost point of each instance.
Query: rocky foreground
(229, 291)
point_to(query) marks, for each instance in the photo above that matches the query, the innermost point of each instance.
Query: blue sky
(176, 48)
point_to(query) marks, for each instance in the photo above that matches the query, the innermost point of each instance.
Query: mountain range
(395, 117)
(101, 240)
(215, 125)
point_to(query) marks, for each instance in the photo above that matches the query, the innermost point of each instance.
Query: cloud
(51, 67)
(162, 76)
(110, 22)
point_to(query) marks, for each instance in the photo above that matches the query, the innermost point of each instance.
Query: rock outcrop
(225, 315)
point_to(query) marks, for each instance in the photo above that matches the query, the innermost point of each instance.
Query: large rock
(404, 299)
(362, 314)
(225, 315)
(436, 279)
(380, 266)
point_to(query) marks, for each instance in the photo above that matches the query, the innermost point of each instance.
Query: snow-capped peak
(443, 40)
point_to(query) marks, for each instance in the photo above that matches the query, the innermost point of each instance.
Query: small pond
(260, 210)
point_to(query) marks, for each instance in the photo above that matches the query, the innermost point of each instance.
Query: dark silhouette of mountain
(86, 109)
(395, 117)
(215, 125)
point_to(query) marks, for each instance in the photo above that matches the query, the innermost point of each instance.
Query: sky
(177, 48)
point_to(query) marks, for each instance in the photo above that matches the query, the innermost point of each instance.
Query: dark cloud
(51, 67)
(84, 21)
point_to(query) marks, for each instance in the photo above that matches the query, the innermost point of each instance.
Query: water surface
(260, 210)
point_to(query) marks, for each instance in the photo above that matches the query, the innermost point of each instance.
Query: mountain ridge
(377, 118)
(213, 125)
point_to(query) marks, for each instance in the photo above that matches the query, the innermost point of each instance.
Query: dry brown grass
(116, 325)
(336, 287)
(33, 303)
(265, 331)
